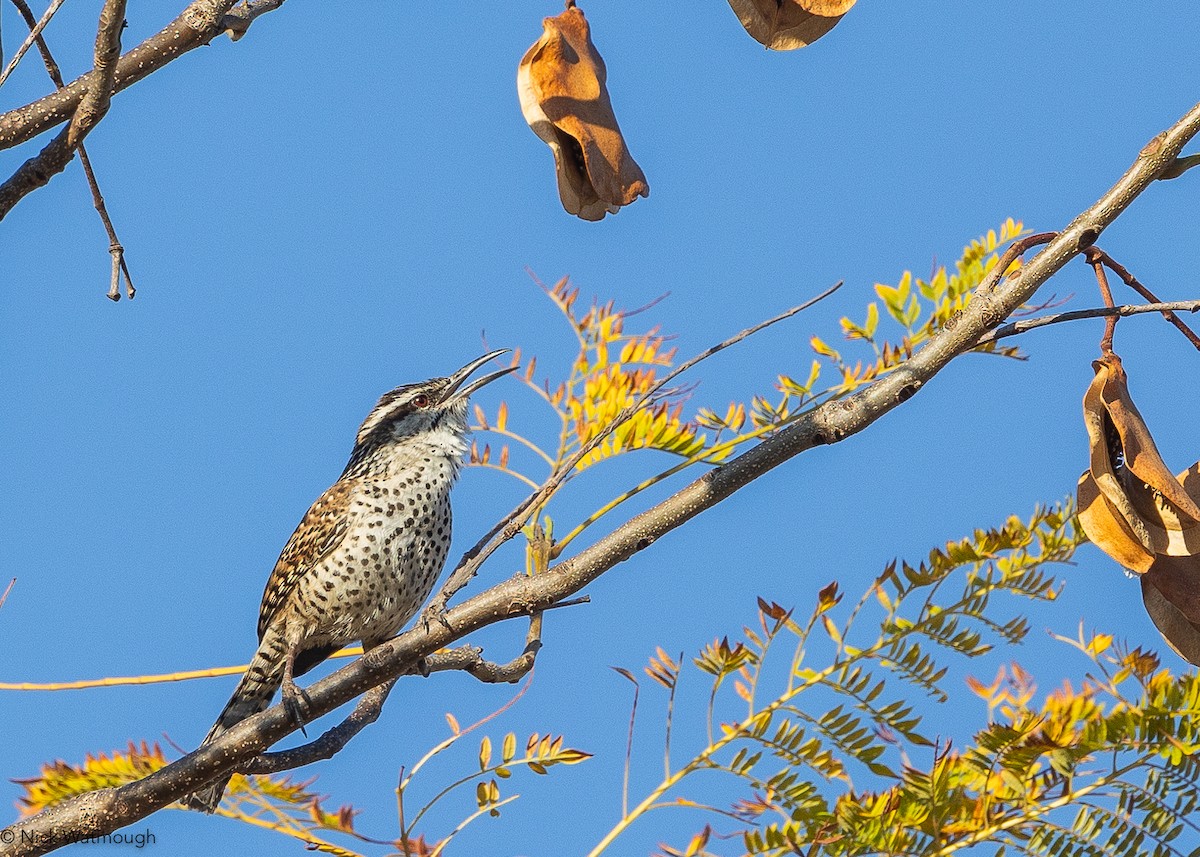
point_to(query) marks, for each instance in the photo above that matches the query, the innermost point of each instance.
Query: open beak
(453, 393)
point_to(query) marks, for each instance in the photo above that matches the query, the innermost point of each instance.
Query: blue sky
(343, 202)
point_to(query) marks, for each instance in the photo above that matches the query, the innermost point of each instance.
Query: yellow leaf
(818, 345)
(872, 319)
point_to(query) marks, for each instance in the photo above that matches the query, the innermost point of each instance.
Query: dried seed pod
(785, 25)
(1133, 509)
(1172, 604)
(561, 84)
(1130, 505)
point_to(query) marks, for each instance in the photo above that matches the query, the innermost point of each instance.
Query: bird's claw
(435, 610)
(297, 704)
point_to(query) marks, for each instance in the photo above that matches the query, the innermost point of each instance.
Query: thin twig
(1018, 327)
(119, 267)
(637, 689)
(1092, 254)
(1015, 251)
(508, 526)
(7, 590)
(35, 32)
(159, 678)
(114, 244)
(1131, 281)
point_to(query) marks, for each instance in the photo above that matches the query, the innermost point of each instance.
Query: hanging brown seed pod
(1136, 511)
(1130, 504)
(785, 25)
(561, 84)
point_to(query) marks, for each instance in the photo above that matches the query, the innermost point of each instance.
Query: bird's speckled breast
(393, 552)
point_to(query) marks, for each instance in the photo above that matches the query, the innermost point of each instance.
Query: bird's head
(434, 410)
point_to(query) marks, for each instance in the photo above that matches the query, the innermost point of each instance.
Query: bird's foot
(435, 611)
(297, 703)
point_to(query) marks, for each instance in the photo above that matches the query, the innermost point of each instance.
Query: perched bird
(367, 553)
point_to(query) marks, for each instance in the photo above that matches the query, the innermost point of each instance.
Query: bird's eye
(420, 401)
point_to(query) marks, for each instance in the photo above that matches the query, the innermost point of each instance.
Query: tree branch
(1180, 166)
(1095, 254)
(467, 659)
(1016, 328)
(114, 244)
(105, 810)
(35, 35)
(330, 743)
(53, 159)
(198, 24)
(239, 19)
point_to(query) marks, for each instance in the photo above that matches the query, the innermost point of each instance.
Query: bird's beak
(453, 393)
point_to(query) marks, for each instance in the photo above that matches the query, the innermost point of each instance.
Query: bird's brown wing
(323, 528)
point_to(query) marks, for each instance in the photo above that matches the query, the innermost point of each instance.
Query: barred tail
(253, 694)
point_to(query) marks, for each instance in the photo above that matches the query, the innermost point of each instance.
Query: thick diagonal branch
(102, 811)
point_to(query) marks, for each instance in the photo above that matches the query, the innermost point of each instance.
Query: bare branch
(53, 159)
(114, 244)
(1180, 166)
(115, 249)
(43, 48)
(1024, 326)
(1095, 254)
(105, 810)
(1015, 251)
(330, 743)
(468, 659)
(35, 32)
(239, 19)
(7, 589)
(197, 25)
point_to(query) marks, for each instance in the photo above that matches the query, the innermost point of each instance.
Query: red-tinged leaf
(828, 597)
(772, 610)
